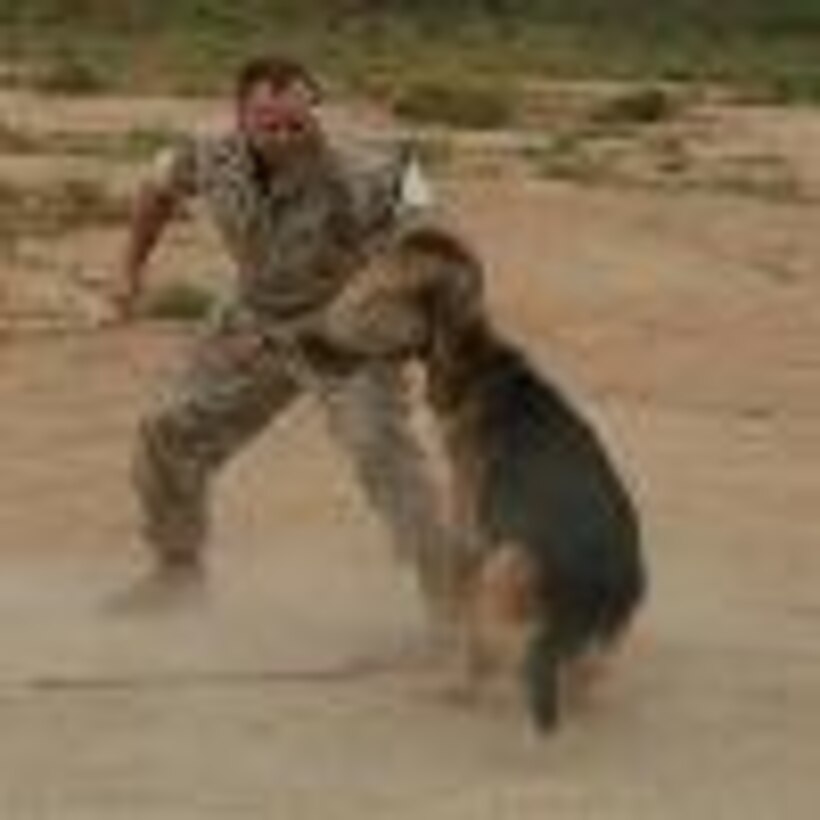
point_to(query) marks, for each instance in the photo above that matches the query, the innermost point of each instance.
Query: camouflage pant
(235, 383)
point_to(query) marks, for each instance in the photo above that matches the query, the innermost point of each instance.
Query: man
(297, 219)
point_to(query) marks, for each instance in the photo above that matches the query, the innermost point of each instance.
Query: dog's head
(442, 278)
(449, 295)
(456, 354)
(423, 300)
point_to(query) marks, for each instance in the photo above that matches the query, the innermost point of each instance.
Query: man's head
(275, 103)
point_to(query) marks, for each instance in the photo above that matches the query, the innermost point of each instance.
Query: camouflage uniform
(295, 236)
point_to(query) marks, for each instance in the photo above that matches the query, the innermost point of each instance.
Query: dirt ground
(686, 322)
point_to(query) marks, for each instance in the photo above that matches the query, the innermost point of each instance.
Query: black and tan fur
(556, 557)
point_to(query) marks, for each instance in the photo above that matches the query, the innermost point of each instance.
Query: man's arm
(153, 209)
(155, 204)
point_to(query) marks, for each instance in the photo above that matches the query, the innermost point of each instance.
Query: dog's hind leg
(476, 630)
(497, 617)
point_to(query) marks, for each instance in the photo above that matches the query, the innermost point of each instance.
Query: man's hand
(124, 300)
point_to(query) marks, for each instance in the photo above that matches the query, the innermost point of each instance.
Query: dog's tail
(582, 618)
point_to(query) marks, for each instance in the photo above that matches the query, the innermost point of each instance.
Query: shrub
(85, 201)
(463, 105)
(565, 157)
(801, 87)
(179, 300)
(642, 106)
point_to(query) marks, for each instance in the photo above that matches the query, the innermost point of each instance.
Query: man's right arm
(155, 205)
(152, 211)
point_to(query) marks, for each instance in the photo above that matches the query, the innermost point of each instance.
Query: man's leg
(368, 415)
(232, 387)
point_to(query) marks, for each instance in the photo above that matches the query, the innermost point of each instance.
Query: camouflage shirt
(297, 233)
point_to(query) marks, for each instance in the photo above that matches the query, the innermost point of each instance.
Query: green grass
(87, 46)
(69, 71)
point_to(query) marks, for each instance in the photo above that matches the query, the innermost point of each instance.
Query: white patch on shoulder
(416, 192)
(161, 169)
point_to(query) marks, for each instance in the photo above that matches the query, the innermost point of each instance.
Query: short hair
(278, 71)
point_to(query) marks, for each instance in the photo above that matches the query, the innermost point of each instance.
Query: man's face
(274, 119)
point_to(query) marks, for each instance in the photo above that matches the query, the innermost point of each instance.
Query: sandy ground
(686, 323)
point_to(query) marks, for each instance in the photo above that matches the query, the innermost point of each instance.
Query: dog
(554, 570)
